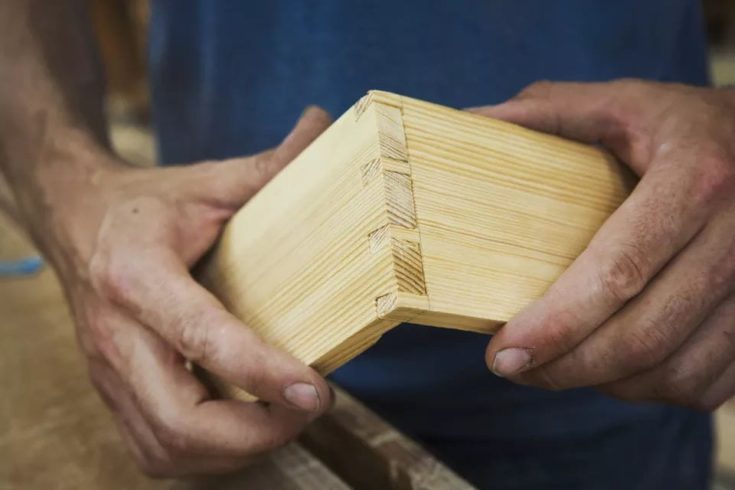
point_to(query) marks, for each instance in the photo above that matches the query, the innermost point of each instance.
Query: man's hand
(122, 241)
(141, 316)
(647, 311)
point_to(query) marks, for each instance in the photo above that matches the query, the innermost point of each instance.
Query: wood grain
(387, 459)
(409, 211)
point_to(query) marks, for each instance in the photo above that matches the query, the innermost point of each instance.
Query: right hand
(123, 258)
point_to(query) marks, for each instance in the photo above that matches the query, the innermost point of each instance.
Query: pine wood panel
(502, 211)
(409, 211)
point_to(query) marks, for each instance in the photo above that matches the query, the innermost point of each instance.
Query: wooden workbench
(56, 433)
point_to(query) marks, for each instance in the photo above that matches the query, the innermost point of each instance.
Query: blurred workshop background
(121, 27)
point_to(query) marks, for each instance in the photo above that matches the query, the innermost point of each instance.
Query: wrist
(63, 202)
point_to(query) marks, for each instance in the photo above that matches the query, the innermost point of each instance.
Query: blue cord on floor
(23, 267)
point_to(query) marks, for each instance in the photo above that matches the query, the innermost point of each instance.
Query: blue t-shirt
(231, 77)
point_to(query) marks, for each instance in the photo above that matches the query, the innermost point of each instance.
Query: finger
(186, 421)
(161, 447)
(656, 221)
(157, 287)
(238, 179)
(132, 426)
(691, 371)
(656, 323)
(587, 112)
(310, 126)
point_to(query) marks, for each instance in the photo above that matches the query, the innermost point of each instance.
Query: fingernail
(511, 361)
(303, 396)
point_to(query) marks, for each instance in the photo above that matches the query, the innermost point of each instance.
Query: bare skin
(647, 311)
(123, 240)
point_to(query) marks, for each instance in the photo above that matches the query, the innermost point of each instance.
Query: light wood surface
(409, 211)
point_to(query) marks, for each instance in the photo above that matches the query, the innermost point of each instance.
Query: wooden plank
(409, 211)
(289, 468)
(502, 211)
(369, 454)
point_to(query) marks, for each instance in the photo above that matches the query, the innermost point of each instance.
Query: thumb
(587, 112)
(238, 179)
(312, 123)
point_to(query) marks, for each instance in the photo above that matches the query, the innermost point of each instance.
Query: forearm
(53, 144)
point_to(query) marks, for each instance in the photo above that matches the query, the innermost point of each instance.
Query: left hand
(647, 311)
(123, 241)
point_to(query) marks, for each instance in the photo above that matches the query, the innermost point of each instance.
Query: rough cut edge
(351, 433)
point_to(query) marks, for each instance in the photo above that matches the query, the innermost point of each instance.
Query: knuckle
(256, 380)
(171, 434)
(681, 385)
(715, 179)
(110, 277)
(722, 275)
(263, 167)
(622, 277)
(644, 347)
(256, 376)
(193, 338)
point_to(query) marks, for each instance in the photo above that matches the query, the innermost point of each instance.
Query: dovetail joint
(370, 170)
(391, 135)
(399, 199)
(385, 304)
(378, 238)
(408, 266)
(361, 105)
